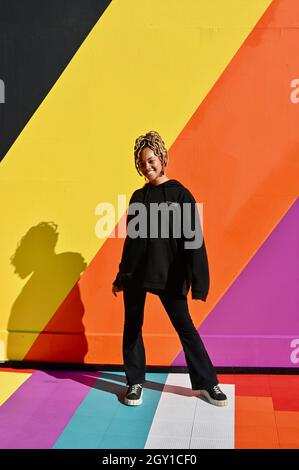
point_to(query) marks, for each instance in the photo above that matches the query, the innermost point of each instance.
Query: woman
(166, 258)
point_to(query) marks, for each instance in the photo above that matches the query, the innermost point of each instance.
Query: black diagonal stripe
(38, 38)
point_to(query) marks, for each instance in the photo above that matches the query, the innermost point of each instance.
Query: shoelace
(217, 389)
(134, 388)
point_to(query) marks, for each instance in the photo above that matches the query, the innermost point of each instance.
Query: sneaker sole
(133, 402)
(211, 400)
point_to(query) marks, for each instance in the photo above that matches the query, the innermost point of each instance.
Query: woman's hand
(116, 289)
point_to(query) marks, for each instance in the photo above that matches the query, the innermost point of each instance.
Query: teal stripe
(102, 421)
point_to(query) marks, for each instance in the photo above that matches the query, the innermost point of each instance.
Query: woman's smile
(151, 167)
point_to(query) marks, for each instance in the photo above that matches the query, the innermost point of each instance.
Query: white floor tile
(210, 444)
(183, 420)
(167, 443)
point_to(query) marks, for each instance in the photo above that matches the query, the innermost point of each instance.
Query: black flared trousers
(201, 370)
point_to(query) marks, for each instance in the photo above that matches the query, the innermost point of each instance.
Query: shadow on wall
(34, 331)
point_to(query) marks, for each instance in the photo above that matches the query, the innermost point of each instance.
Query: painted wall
(80, 81)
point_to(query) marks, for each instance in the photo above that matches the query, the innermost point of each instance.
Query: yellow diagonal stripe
(9, 383)
(147, 64)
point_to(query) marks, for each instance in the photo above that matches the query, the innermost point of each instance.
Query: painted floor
(84, 410)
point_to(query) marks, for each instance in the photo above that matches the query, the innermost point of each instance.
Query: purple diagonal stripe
(256, 323)
(37, 413)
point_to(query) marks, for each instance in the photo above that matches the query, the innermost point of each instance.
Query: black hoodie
(165, 262)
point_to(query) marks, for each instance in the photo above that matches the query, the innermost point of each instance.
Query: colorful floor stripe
(36, 414)
(84, 410)
(103, 422)
(183, 421)
(9, 383)
(267, 410)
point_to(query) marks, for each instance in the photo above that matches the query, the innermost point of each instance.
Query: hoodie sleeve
(194, 249)
(121, 275)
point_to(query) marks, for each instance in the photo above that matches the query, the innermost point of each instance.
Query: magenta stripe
(37, 413)
(255, 322)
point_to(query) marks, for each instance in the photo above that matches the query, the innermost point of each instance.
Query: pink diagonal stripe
(37, 413)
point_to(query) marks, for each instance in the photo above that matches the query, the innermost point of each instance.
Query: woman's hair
(154, 141)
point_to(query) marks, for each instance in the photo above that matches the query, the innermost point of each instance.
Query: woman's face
(149, 164)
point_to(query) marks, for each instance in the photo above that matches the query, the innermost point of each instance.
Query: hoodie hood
(165, 187)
